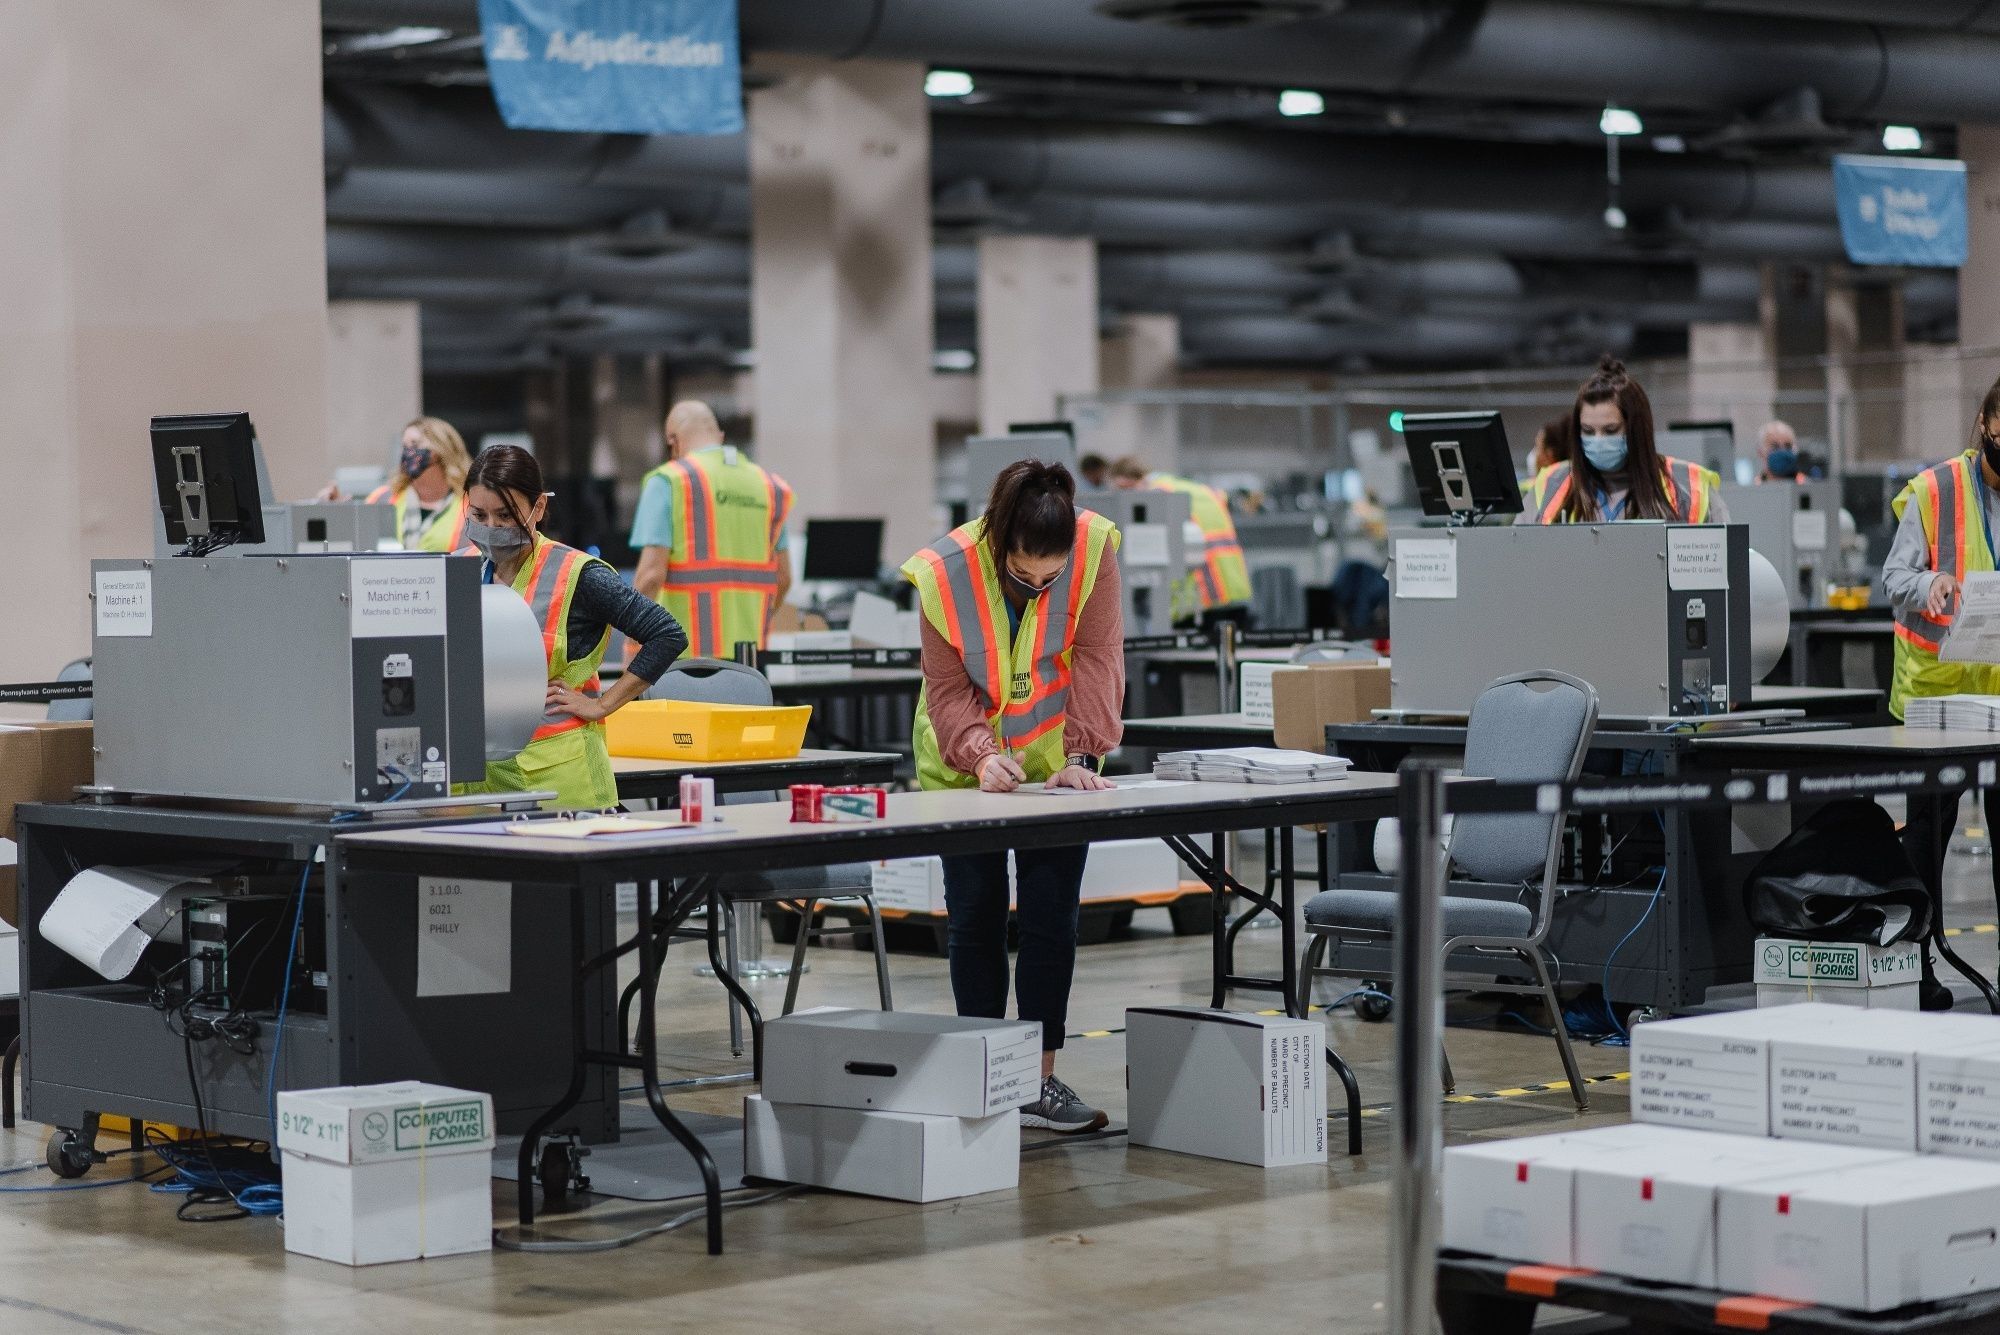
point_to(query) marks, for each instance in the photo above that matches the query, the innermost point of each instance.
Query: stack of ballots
(1970, 713)
(1249, 764)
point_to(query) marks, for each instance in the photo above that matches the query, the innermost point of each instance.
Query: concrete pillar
(1144, 354)
(1979, 278)
(1864, 388)
(1037, 326)
(841, 290)
(162, 249)
(1731, 378)
(374, 380)
(1792, 308)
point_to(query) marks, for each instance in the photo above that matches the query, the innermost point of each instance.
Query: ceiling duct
(1793, 123)
(1214, 14)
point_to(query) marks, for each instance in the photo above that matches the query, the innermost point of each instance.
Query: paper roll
(107, 916)
(517, 671)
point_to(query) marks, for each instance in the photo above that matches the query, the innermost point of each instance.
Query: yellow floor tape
(1983, 929)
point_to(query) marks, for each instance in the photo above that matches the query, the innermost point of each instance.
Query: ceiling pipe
(458, 131)
(1651, 56)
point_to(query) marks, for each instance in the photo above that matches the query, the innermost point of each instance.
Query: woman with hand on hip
(1024, 682)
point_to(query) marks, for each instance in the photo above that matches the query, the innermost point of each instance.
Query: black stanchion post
(1413, 1207)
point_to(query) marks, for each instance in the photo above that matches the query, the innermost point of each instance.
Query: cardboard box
(390, 1172)
(1253, 690)
(1836, 964)
(787, 674)
(902, 1061)
(1305, 701)
(1713, 1072)
(1515, 1199)
(1650, 1212)
(1900, 997)
(1226, 1085)
(1857, 1084)
(1958, 1090)
(39, 762)
(904, 1156)
(1905, 1230)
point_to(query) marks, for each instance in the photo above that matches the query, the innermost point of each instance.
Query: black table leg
(649, 1070)
(531, 1141)
(7, 1065)
(1288, 923)
(717, 906)
(1215, 874)
(1943, 820)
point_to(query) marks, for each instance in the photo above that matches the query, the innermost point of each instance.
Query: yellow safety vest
(566, 754)
(1690, 491)
(1022, 677)
(722, 572)
(1948, 499)
(1223, 577)
(442, 532)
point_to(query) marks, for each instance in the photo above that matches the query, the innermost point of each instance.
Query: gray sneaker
(1059, 1109)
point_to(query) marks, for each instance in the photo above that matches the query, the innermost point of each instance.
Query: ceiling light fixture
(1902, 139)
(1619, 122)
(947, 83)
(1300, 102)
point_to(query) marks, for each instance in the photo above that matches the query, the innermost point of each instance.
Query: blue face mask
(1606, 453)
(1782, 462)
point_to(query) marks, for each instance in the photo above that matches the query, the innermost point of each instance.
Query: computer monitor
(1463, 467)
(849, 549)
(205, 476)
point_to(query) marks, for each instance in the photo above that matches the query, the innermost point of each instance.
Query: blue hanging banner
(615, 66)
(1901, 210)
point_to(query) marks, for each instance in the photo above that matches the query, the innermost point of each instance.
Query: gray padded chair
(1533, 727)
(719, 681)
(72, 711)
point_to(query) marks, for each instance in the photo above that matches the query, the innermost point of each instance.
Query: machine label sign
(1698, 557)
(465, 936)
(397, 596)
(1426, 568)
(124, 600)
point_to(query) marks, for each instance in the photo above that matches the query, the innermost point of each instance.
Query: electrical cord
(574, 1245)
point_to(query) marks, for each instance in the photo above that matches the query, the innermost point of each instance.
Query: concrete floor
(1098, 1237)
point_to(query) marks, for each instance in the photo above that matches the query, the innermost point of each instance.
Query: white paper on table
(107, 916)
(1974, 636)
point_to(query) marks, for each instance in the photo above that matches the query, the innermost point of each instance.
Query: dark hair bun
(1610, 368)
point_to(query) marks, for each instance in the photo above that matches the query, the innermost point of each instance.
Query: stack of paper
(1250, 764)
(1976, 713)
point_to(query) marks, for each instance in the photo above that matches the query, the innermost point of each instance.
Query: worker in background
(1222, 579)
(1945, 520)
(1613, 470)
(1551, 448)
(577, 601)
(1095, 471)
(710, 530)
(428, 489)
(1024, 682)
(1778, 453)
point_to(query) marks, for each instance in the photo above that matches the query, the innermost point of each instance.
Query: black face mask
(1990, 452)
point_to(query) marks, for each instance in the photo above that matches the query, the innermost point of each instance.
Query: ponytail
(1032, 510)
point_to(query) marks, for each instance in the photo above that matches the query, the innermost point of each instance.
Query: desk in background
(872, 707)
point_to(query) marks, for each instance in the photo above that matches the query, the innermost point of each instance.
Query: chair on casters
(1534, 727)
(722, 682)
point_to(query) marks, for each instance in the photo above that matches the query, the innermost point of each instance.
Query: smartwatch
(1087, 761)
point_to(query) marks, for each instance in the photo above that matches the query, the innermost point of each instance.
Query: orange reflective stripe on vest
(1939, 494)
(722, 577)
(551, 581)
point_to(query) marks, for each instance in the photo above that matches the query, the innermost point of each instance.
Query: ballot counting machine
(1796, 527)
(1658, 617)
(1159, 546)
(319, 680)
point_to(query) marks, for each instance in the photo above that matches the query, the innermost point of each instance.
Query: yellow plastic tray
(689, 730)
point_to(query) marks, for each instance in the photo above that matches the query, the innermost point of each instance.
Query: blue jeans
(975, 897)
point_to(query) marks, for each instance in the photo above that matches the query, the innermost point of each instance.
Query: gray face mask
(494, 542)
